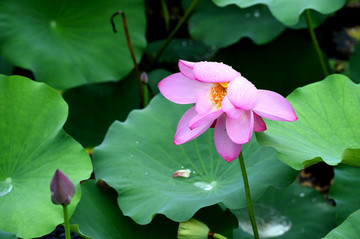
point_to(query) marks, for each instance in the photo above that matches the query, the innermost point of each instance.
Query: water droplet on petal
(146, 173)
(137, 142)
(270, 221)
(5, 186)
(205, 186)
(256, 14)
(182, 167)
(302, 195)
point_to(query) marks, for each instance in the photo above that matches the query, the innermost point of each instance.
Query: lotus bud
(62, 189)
(193, 229)
(144, 78)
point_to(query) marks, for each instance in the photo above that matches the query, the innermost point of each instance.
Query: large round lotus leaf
(348, 229)
(143, 159)
(295, 212)
(345, 190)
(260, 64)
(354, 64)
(223, 26)
(32, 147)
(286, 11)
(70, 43)
(328, 124)
(98, 216)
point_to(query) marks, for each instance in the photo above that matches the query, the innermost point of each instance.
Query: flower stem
(146, 94)
(66, 222)
(172, 34)
(248, 197)
(315, 41)
(141, 94)
(216, 235)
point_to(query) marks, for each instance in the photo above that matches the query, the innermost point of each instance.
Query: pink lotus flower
(222, 96)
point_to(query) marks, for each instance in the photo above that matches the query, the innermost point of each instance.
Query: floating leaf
(143, 160)
(348, 229)
(295, 212)
(71, 43)
(32, 147)
(328, 124)
(288, 12)
(345, 190)
(223, 26)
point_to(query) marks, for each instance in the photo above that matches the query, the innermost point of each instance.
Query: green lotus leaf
(288, 12)
(295, 212)
(345, 191)
(98, 216)
(354, 64)
(223, 26)
(32, 146)
(143, 160)
(71, 43)
(328, 124)
(348, 229)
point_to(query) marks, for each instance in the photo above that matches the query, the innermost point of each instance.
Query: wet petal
(229, 109)
(240, 130)
(214, 72)
(183, 132)
(242, 93)
(204, 102)
(209, 117)
(274, 106)
(259, 124)
(180, 89)
(227, 149)
(186, 68)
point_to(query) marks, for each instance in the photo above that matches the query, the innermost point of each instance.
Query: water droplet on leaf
(5, 186)
(205, 186)
(270, 221)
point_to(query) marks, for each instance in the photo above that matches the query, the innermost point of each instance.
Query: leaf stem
(141, 94)
(248, 197)
(172, 34)
(315, 41)
(66, 222)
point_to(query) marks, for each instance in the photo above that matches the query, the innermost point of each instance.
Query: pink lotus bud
(62, 188)
(144, 78)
